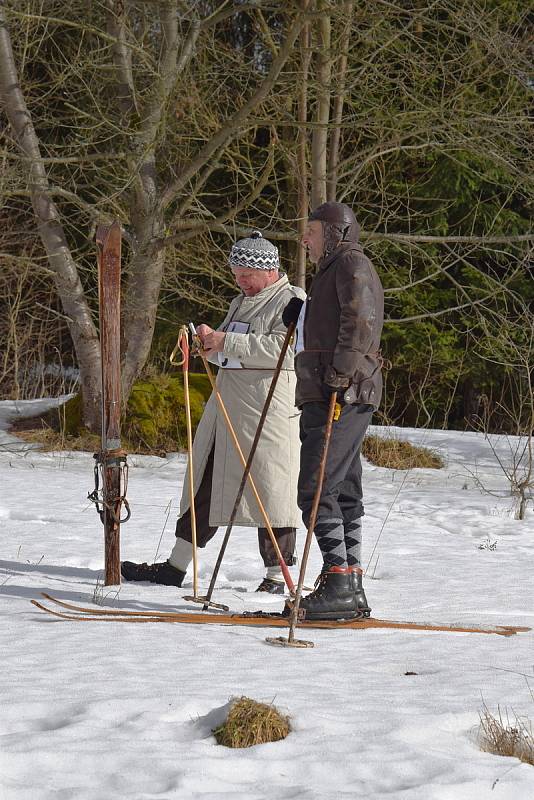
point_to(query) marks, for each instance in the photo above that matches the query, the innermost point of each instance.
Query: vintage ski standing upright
(110, 462)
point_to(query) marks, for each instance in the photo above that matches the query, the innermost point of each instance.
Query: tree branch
(245, 202)
(232, 125)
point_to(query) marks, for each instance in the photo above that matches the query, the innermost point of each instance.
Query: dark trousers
(285, 537)
(341, 494)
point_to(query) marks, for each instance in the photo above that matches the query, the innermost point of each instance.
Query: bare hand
(203, 331)
(214, 341)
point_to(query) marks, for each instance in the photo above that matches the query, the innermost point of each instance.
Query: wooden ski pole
(230, 427)
(111, 459)
(248, 466)
(291, 641)
(183, 346)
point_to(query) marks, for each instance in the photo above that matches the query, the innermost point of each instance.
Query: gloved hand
(334, 381)
(291, 311)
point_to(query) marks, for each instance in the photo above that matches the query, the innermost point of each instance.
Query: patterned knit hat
(254, 253)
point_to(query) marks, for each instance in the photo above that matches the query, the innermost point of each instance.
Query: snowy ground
(102, 711)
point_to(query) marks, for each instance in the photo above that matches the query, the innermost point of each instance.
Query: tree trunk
(320, 133)
(82, 330)
(337, 116)
(302, 162)
(139, 313)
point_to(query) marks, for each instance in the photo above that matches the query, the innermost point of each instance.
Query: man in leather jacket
(337, 350)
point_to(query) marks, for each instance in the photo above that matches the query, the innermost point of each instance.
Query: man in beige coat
(246, 348)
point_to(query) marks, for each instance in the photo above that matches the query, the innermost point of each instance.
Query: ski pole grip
(197, 343)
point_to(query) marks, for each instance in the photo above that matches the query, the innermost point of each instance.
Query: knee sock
(331, 540)
(181, 555)
(353, 542)
(274, 574)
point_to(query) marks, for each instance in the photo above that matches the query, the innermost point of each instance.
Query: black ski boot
(271, 586)
(333, 596)
(361, 599)
(162, 573)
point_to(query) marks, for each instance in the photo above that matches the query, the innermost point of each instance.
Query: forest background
(193, 122)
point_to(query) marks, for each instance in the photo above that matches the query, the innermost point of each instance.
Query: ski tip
(41, 607)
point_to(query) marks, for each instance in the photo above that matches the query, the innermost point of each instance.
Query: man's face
(252, 281)
(313, 240)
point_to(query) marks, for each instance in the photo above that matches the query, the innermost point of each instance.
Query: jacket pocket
(308, 366)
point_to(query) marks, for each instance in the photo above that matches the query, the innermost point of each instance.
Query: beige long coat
(276, 462)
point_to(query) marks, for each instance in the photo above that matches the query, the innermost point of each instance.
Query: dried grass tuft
(55, 441)
(249, 723)
(386, 451)
(502, 737)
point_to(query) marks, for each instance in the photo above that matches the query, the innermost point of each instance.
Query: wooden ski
(111, 459)
(83, 613)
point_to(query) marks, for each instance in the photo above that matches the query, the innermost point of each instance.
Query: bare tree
(151, 47)
(194, 121)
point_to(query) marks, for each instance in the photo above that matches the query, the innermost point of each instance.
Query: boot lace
(318, 585)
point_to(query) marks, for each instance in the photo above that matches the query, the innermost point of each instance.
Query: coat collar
(342, 248)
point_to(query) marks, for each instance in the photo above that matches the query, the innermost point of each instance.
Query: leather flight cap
(334, 213)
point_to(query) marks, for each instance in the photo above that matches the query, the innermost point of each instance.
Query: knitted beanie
(254, 253)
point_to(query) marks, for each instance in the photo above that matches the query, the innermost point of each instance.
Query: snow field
(111, 710)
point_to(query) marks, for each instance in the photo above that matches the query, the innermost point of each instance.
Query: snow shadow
(14, 567)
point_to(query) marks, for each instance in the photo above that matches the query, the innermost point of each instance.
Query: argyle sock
(353, 542)
(331, 540)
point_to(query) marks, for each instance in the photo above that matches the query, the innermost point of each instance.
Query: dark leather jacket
(342, 326)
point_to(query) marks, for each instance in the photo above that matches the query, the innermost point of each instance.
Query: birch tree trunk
(81, 327)
(302, 142)
(322, 117)
(337, 114)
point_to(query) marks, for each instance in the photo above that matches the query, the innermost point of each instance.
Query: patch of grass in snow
(55, 441)
(386, 451)
(249, 723)
(504, 737)
(154, 421)
(101, 594)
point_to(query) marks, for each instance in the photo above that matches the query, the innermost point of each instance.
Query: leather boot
(271, 586)
(333, 596)
(361, 600)
(162, 573)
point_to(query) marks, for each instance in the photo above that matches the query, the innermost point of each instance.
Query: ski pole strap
(182, 345)
(115, 458)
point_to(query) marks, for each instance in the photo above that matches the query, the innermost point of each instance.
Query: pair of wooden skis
(69, 611)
